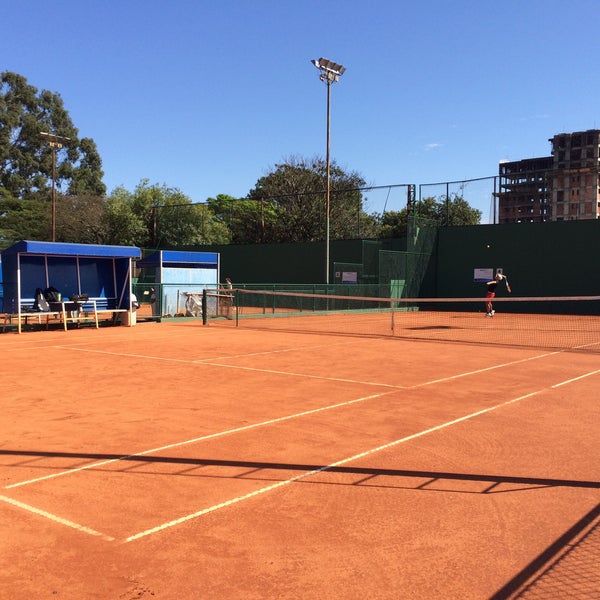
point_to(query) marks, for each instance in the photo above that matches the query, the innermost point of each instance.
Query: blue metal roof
(176, 258)
(63, 249)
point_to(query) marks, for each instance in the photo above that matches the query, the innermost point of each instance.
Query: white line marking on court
(57, 519)
(211, 363)
(128, 355)
(97, 465)
(338, 463)
(280, 350)
(477, 371)
(198, 439)
(557, 385)
(306, 375)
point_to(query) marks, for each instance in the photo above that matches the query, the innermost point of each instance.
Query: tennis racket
(507, 284)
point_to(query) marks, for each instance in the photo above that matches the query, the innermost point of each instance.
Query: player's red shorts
(490, 295)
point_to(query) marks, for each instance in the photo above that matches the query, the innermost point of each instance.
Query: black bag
(52, 294)
(40, 304)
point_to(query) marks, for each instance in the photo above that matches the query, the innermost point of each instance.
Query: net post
(235, 302)
(204, 307)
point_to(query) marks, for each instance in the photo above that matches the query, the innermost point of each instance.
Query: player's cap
(499, 276)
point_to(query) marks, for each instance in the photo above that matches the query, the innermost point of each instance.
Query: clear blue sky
(208, 96)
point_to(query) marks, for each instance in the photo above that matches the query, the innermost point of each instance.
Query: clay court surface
(176, 461)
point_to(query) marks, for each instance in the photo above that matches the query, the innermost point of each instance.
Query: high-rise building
(562, 187)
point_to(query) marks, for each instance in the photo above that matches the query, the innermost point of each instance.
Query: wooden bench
(67, 311)
(108, 308)
(26, 315)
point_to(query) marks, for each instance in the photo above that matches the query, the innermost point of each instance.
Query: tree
(247, 221)
(460, 213)
(156, 216)
(291, 204)
(451, 210)
(393, 224)
(26, 160)
(429, 211)
(123, 225)
(22, 219)
(80, 219)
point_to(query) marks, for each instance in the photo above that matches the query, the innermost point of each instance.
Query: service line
(57, 519)
(338, 463)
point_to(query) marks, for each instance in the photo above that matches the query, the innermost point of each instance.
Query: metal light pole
(54, 141)
(330, 73)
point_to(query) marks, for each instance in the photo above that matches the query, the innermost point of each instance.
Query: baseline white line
(198, 439)
(57, 519)
(338, 463)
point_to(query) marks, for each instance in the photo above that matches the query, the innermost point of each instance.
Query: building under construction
(561, 187)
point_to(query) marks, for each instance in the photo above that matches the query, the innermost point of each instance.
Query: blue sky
(208, 96)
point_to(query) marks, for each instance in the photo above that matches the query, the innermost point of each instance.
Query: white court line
(557, 385)
(477, 371)
(355, 457)
(211, 363)
(57, 519)
(198, 439)
(338, 463)
(255, 425)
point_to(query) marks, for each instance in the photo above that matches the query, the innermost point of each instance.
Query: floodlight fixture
(330, 73)
(54, 141)
(328, 66)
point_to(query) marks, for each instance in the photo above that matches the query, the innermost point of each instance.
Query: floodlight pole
(328, 186)
(330, 73)
(54, 141)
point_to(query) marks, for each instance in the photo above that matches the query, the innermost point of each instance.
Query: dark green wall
(541, 259)
(286, 262)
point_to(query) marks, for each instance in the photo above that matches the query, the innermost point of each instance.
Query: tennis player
(491, 294)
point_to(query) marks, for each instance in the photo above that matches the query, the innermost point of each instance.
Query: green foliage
(430, 211)
(451, 210)
(393, 224)
(123, 225)
(290, 205)
(23, 219)
(80, 219)
(26, 160)
(155, 216)
(246, 221)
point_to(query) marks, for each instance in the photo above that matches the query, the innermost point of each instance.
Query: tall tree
(80, 219)
(22, 219)
(454, 210)
(247, 221)
(26, 160)
(155, 216)
(291, 203)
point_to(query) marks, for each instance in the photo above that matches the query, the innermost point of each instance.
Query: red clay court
(174, 461)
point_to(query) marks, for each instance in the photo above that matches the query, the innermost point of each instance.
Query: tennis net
(565, 323)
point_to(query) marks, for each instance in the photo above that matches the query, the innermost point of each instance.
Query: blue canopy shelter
(103, 273)
(181, 274)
